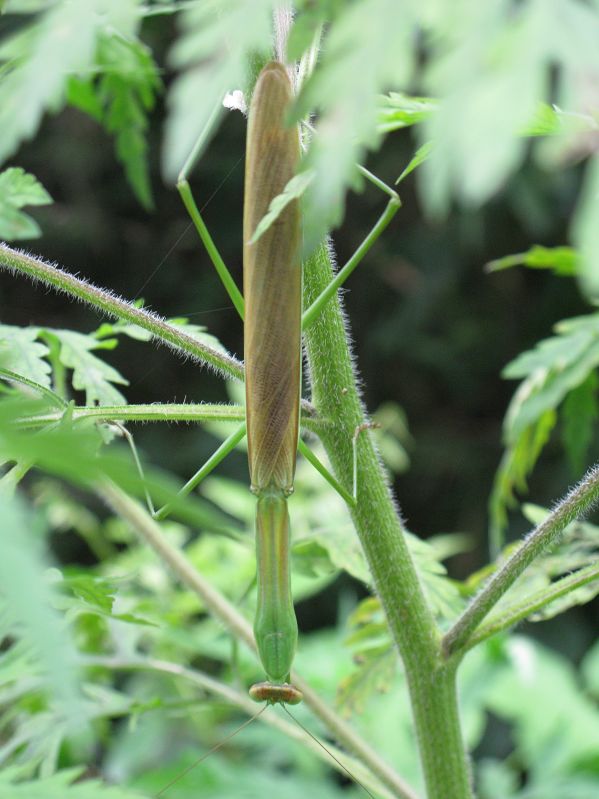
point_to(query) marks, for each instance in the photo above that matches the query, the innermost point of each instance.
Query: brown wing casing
(272, 287)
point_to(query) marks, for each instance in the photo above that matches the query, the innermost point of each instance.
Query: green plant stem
(243, 701)
(151, 533)
(512, 615)
(579, 500)
(431, 682)
(108, 303)
(55, 399)
(154, 412)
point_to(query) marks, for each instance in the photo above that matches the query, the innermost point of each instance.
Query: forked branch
(577, 502)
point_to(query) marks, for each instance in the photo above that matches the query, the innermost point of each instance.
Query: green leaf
(375, 674)
(517, 463)
(555, 727)
(212, 67)
(419, 157)
(28, 597)
(397, 111)
(21, 352)
(126, 92)
(585, 230)
(490, 66)
(120, 97)
(61, 785)
(564, 261)
(344, 91)
(374, 654)
(294, 189)
(90, 374)
(579, 412)
(41, 57)
(550, 371)
(17, 189)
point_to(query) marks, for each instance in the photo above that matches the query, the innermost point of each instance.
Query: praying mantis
(273, 323)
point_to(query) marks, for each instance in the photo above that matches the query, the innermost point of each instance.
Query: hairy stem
(153, 412)
(579, 500)
(107, 303)
(151, 533)
(534, 602)
(431, 682)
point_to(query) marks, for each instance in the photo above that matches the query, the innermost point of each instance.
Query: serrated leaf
(21, 352)
(344, 90)
(17, 189)
(375, 674)
(550, 371)
(21, 188)
(217, 39)
(564, 261)
(126, 92)
(490, 67)
(497, 63)
(90, 374)
(85, 593)
(58, 43)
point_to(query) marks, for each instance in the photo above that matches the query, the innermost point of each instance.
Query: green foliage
(535, 691)
(558, 374)
(47, 63)
(23, 352)
(26, 616)
(58, 786)
(210, 68)
(534, 594)
(120, 98)
(17, 189)
(563, 261)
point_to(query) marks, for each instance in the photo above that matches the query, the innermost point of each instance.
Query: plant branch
(516, 613)
(151, 533)
(578, 501)
(108, 303)
(243, 701)
(154, 412)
